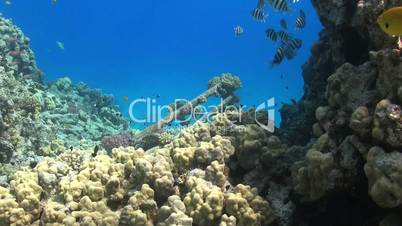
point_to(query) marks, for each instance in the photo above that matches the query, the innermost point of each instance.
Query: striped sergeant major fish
(284, 36)
(258, 13)
(280, 5)
(271, 34)
(279, 55)
(295, 43)
(289, 53)
(291, 47)
(301, 20)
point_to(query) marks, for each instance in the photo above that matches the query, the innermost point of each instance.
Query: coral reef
(182, 183)
(335, 161)
(352, 108)
(81, 114)
(38, 119)
(348, 36)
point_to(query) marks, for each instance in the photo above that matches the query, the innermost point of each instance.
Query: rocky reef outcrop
(352, 108)
(349, 34)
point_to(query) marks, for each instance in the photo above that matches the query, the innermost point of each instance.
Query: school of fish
(390, 21)
(288, 44)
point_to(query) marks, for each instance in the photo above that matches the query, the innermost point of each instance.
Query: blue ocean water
(166, 48)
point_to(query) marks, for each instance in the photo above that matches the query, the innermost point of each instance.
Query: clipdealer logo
(156, 113)
(269, 107)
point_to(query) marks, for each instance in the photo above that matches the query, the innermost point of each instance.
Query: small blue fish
(238, 30)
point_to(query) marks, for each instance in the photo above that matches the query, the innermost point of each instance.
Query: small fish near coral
(238, 31)
(95, 152)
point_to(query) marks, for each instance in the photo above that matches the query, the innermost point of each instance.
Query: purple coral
(118, 140)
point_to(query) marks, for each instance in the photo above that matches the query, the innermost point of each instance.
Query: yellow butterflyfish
(391, 21)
